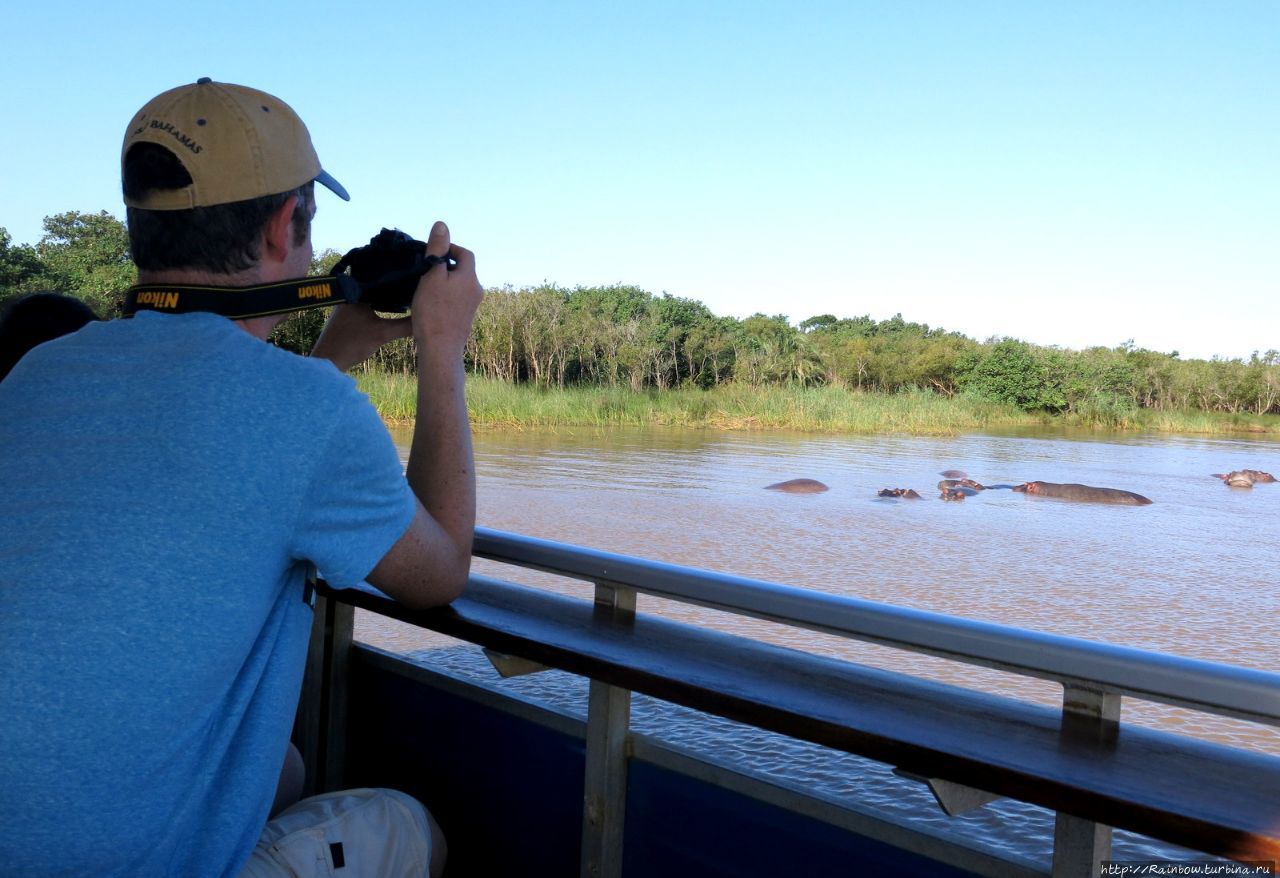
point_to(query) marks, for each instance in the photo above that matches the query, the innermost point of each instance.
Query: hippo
(954, 474)
(797, 486)
(961, 483)
(1236, 479)
(905, 493)
(1244, 478)
(958, 489)
(1088, 493)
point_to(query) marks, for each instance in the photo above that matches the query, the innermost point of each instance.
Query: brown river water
(1192, 574)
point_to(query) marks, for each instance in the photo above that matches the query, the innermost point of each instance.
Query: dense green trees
(83, 254)
(618, 336)
(87, 255)
(20, 266)
(1009, 371)
(625, 337)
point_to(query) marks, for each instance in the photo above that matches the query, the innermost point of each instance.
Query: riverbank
(499, 405)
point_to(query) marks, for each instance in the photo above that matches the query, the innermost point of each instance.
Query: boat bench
(1217, 799)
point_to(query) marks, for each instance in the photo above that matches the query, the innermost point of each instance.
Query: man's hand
(446, 300)
(353, 334)
(444, 306)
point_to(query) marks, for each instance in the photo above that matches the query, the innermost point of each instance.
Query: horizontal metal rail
(1200, 685)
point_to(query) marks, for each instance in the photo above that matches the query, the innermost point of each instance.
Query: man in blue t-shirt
(167, 482)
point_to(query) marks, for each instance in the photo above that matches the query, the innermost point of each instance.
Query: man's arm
(429, 564)
(353, 334)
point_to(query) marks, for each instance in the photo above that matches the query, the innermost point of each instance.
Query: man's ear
(278, 232)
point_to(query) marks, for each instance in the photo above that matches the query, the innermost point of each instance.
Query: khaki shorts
(365, 833)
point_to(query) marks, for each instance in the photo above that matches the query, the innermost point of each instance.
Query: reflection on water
(1191, 574)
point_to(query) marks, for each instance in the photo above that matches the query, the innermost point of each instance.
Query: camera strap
(239, 303)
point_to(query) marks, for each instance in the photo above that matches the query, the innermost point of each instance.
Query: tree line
(623, 336)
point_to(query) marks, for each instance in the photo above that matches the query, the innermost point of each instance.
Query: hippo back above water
(797, 486)
(1087, 493)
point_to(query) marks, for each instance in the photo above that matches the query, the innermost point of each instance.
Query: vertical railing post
(608, 733)
(322, 710)
(1080, 846)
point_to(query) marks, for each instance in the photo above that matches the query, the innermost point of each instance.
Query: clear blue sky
(1069, 173)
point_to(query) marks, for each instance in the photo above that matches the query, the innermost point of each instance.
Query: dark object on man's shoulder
(388, 268)
(34, 319)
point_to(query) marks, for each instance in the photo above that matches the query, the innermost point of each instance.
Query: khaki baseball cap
(236, 143)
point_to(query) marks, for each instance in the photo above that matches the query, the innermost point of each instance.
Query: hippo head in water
(968, 484)
(797, 486)
(1237, 478)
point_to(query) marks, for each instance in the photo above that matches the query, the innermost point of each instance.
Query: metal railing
(1095, 676)
(1199, 685)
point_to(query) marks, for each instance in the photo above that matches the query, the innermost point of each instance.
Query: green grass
(1208, 422)
(497, 404)
(394, 395)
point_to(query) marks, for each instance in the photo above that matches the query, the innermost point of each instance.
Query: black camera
(387, 269)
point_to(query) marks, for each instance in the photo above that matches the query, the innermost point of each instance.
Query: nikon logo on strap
(313, 291)
(239, 303)
(158, 300)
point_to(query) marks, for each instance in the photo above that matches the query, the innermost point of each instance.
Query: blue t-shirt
(164, 482)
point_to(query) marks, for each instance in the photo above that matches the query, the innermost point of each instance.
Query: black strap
(241, 302)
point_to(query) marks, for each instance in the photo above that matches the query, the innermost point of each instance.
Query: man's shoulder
(261, 363)
(310, 375)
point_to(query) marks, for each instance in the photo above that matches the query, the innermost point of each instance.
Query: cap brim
(332, 185)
